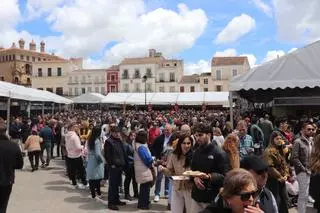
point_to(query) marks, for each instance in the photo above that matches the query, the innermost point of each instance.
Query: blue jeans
(114, 183)
(158, 184)
(144, 195)
(170, 191)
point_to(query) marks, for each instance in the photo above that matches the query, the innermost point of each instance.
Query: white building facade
(86, 81)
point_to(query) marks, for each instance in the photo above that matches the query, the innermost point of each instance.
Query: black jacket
(10, 159)
(157, 146)
(129, 152)
(210, 159)
(114, 152)
(266, 202)
(218, 206)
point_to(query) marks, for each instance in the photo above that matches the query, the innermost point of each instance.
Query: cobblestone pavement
(49, 191)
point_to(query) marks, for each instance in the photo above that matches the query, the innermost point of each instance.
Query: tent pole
(52, 108)
(42, 108)
(29, 109)
(8, 114)
(59, 107)
(231, 108)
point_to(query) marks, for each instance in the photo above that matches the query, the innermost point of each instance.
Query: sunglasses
(246, 196)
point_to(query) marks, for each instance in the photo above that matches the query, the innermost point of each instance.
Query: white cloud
(297, 21)
(226, 53)
(292, 50)
(273, 54)
(263, 6)
(36, 8)
(197, 68)
(9, 14)
(251, 58)
(236, 28)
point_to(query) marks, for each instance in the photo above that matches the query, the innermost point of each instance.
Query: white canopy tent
(116, 98)
(297, 69)
(164, 98)
(88, 98)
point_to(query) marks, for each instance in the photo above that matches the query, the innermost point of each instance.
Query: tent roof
(29, 94)
(297, 69)
(87, 98)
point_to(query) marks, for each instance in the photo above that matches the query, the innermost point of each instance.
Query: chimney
(32, 45)
(21, 43)
(14, 45)
(42, 46)
(152, 53)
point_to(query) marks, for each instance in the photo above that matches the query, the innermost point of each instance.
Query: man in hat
(10, 159)
(259, 169)
(115, 157)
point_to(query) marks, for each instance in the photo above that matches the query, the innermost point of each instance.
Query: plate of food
(192, 173)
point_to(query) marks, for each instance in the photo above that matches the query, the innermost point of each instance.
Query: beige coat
(33, 143)
(175, 167)
(142, 172)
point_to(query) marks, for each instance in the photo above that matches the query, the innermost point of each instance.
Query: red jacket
(153, 133)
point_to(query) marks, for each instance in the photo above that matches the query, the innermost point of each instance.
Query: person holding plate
(178, 163)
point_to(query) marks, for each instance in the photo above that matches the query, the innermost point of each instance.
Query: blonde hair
(230, 146)
(315, 155)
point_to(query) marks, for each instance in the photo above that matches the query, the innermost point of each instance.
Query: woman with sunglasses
(178, 163)
(238, 195)
(275, 157)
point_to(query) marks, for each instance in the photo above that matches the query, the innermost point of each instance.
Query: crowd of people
(261, 165)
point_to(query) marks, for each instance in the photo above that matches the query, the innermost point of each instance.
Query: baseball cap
(253, 163)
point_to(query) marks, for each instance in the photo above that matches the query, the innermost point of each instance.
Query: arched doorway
(16, 80)
(28, 69)
(28, 81)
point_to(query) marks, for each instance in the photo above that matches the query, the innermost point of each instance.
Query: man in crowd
(211, 160)
(259, 169)
(257, 136)
(47, 135)
(15, 132)
(115, 157)
(154, 132)
(267, 128)
(245, 140)
(160, 146)
(301, 152)
(10, 159)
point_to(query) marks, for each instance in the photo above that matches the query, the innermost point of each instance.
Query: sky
(104, 32)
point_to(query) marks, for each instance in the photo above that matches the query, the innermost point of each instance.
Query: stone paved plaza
(49, 191)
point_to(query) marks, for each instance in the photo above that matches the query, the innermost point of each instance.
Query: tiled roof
(226, 61)
(189, 79)
(204, 74)
(113, 68)
(31, 52)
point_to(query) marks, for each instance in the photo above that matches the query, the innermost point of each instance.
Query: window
(219, 88)
(125, 74)
(96, 89)
(137, 73)
(113, 77)
(76, 79)
(83, 90)
(205, 81)
(181, 89)
(50, 89)
(21, 57)
(89, 89)
(14, 57)
(161, 77)
(16, 80)
(39, 59)
(2, 78)
(49, 72)
(9, 57)
(33, 59)
(172, 89)
(28, 69)
(59, 71)
(137, 87)
(218, 75)
(149, 73)
(192, 89)
(96, 79)
(83, 79)
(102, 90)
(40, 72)
(161, 89)
(76, 91)
(28, 58)
(205, 90)
(28, 81)
(126, 87)
(59, 91)
(70, 79)
(234, 72)
(175, 64)
(149, 87)
(113, 88)
(172, 78)
(70, 91)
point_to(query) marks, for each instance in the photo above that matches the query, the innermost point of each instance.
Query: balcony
(73, 83)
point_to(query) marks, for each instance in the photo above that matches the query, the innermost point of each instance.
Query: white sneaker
(81, 186)
(310, 199)
(156, 198)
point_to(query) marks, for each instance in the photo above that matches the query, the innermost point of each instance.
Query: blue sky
(193, 30)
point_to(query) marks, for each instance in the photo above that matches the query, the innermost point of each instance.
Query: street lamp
(145, 78)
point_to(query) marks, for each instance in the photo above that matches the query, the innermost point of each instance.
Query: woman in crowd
(178, 163)
(129, 171)
(274, 156)
(231, 147)
(315, 177)
(85, 132)
(218, 137)
(238, 195)
(32, 144)
(143, 169)
(227, 129)
(95, 167)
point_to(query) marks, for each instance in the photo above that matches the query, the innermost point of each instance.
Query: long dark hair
(96, 133)
(178, 151)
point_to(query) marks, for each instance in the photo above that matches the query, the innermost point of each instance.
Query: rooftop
(189, 79)
(205, 74)
(227, 61)
(113, 68)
